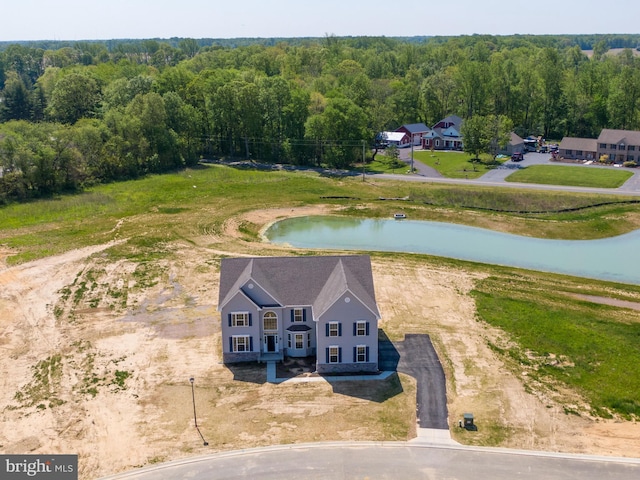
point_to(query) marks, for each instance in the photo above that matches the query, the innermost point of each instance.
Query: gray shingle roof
(296, 281)
(614, 137)
(416, 128)
(584, 144)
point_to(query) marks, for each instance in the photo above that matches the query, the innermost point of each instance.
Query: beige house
(579, 148)
(620, 145)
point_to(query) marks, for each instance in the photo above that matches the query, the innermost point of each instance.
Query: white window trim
(360, 323)
(337, 354)
(247, 343)
(297, 318)
(295, 341)
(275, 316)
(234, 319)
(364, 353)
(334, 332)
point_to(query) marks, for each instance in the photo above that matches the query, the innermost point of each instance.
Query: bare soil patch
(95, 359)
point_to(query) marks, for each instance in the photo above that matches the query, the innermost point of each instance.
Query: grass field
(562, 340)
(592, 349)
(456, 164)
(571, 176)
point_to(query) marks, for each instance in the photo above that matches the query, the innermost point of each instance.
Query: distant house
(515, 145)
(399, 139)
(578, 148)
(415, 131)
(620, 145)
(445, 135)
(321, 306)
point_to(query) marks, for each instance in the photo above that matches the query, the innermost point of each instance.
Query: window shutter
(327, 329)
(229, 315)
(327, 350)
(367, 353)
(355, 354)
(249, 319)
(231, 344)
(367, 328)
(291, 316)
(250, 340)
(355, 328)
(304, 315)
(340, 329)
(340, 355)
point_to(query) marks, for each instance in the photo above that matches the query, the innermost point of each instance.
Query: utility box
(468, 421)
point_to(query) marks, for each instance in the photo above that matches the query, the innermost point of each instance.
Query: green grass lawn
(456, 164)
(562, 340)
(571, 176)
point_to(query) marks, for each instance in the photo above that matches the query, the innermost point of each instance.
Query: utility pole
(411, 156)
(364, 158)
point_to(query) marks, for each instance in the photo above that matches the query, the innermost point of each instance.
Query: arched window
(270, 321)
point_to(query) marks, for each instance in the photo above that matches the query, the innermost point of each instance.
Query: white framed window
(333, 354)
(308, 340)
(361, 353)
(239, 319)
(298, 315)
(333, 329)
(270, 321)
(361, 329)
(240, 343)
(288, 340)
(299, 341)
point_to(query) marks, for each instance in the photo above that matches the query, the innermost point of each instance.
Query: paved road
(394, 460)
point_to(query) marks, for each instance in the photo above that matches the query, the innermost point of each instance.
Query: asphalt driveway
(416, 356)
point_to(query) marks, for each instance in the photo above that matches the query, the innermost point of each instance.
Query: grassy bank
(197, 202)
(571, 176)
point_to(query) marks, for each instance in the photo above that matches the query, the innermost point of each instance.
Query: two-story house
(322, 306)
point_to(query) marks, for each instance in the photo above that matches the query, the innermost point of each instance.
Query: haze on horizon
(136, 19)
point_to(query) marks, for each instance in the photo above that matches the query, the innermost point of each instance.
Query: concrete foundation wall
(240, 357)
(328, 368)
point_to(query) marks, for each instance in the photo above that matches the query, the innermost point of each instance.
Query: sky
(117, 19)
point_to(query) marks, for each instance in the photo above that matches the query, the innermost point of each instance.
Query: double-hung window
(334, 329)
(240, 319)
(360, 329)
(298, 315)
(361, 354)
(241, 343)
(299, 341)
(333, 354)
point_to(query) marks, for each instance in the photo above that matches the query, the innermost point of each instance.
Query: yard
(576, 176)
(457, 164)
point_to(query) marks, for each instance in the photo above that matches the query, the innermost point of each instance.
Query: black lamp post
(195, 419)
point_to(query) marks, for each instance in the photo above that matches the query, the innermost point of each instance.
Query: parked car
(517, 157)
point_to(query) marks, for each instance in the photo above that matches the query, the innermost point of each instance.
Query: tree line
(90, 112)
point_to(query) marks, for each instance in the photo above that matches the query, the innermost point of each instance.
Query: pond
(612, 258)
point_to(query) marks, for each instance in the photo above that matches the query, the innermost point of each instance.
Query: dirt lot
(95, 359)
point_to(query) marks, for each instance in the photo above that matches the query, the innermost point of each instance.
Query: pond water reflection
(608, 259)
